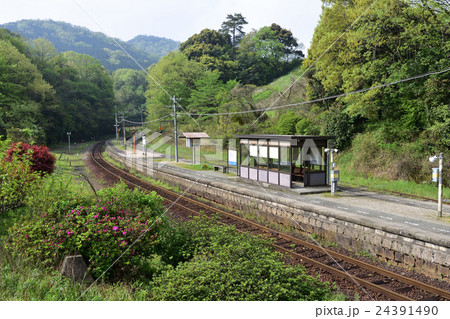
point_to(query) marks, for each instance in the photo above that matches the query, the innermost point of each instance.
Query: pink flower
(124, 232)
(95, 216)
(115, 228)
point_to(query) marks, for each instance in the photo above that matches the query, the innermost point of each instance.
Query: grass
(392, 186)
(349, 177)
(20, 280)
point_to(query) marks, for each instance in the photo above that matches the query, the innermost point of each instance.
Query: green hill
(67, 37)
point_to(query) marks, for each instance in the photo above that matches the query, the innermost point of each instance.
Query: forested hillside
(66, 37)
(45, 94)
(390, 130)
(396, 53)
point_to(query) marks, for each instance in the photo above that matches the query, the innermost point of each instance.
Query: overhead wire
(315, 61)
(325, 98)
(130, 56)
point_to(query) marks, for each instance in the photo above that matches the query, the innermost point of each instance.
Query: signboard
(334, 176)
(232, 157)
(192, 142)
(435, 175)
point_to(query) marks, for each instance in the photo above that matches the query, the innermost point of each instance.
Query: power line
(131, 57)
(325, 98)
(323, 53)
(147, 122)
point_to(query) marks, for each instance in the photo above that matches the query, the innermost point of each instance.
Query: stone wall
(334, 226)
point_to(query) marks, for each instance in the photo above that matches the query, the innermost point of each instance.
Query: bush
(306, 127)
(286, 123)
(228, 265)
(42, 160)
(119, 223)
(16, 179)
(340, 125)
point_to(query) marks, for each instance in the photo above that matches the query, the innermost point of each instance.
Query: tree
(393, 40)
(23, 91)
(213, 49)
(129, 91)
(177, 75)
(286, 123)
(259, 57)
(291, 47)
(209, 93)
(42, 52)
(234, 26)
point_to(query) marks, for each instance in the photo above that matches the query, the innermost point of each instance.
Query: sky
(172, 19)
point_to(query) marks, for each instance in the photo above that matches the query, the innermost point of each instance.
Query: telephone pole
(174, 100)
(124, 133)
(116, 126)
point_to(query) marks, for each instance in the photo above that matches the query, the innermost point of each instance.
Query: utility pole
(124, 133)
(334, 174)
(174, 100)
(116, 126)
(438, 179)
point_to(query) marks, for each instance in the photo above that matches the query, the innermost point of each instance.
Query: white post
(68, 136)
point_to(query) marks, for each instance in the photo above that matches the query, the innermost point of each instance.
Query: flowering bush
(42, 160)
(119, 223)
(16, 179)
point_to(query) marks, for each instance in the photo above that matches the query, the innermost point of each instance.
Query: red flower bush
(41, 159)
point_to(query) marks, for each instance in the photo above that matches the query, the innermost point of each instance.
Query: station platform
(401, 215)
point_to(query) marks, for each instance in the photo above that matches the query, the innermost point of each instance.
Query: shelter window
(273, 158)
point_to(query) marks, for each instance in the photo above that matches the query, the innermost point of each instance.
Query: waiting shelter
(284, 159)
(193, 140)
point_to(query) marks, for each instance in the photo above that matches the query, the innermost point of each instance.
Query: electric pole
(124, 133)
(116, 128)
(174, 100)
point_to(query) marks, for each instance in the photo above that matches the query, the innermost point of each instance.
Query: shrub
(228, 265)
(42, 160)
(119, 223)
(16, 180)
(341, 126)
(286, 123)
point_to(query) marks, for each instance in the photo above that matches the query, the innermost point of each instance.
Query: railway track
(351, 275)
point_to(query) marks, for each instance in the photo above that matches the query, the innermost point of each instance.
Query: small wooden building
(284, 159)
(193, 140)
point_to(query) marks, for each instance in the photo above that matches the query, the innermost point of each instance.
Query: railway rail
(351, 275)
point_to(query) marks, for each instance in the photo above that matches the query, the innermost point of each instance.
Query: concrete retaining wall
(400, 248)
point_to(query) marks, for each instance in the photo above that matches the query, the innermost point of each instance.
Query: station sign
(334, 176)
(435, 175)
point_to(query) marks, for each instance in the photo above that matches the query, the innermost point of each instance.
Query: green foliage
(287, 123)
(155, 46)
(22, 280)
(340, 125)
(306, 127)
(232, 266)
(213, 49)
(176, 74)
(66, 37)
(121, 222)
(16, 178)
(129, 90)
(390, 41)
(234, 26)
